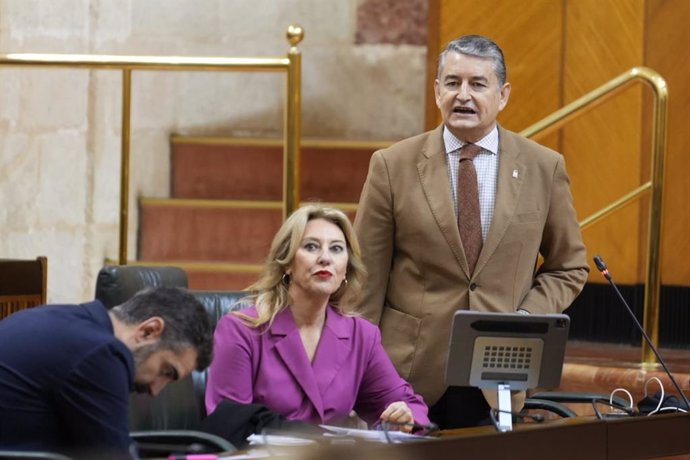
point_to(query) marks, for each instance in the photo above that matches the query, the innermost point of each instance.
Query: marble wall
(60, 128)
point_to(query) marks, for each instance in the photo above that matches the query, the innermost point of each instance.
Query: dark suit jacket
(418, 274)
(64, 381)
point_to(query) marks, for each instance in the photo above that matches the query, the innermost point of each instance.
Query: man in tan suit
(407, 224)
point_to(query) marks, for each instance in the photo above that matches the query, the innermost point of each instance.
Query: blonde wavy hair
(270, 293)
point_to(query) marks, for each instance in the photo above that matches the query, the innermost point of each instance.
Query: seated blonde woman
(296, 350)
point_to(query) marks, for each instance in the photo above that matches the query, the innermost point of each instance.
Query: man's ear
(150, 330)
(504, 95)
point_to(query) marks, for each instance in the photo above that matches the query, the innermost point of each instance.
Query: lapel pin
(515, 173)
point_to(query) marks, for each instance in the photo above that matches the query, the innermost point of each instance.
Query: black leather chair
(174, 417)
(117, 283)
(555, 402)
(161, 444)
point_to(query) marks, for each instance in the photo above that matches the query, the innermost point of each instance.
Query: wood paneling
(666, 43)
(602, 147)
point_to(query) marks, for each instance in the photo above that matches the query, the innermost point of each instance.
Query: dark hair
(187, 324)
(477, 46)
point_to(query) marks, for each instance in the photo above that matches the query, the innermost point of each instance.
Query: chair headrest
(116, 284)
(218, 303)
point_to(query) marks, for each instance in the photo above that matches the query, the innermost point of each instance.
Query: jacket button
(473, 286)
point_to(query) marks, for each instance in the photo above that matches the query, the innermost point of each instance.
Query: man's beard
(140, 355)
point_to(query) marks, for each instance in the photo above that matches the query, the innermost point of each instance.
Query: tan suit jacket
(417, 271)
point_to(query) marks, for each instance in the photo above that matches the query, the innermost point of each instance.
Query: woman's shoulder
(236, 318)
(242, 311)
(236, 327)
(354, 324)
(248, 311)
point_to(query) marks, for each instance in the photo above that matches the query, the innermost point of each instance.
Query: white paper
(371, 435)
(277, 440)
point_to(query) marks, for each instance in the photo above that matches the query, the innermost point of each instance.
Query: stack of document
(335, 434)
(278, 440)
(371, 435)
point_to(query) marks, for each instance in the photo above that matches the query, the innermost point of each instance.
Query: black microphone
(601, 266)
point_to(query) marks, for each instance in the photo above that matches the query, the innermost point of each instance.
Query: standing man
(455, 219)
(66, 371)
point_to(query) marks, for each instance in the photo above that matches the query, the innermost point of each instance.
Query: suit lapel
(334, 348)
(510, 179)
(289, 346)
(433, 174)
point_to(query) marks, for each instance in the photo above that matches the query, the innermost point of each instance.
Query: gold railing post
(124, 162)
(659, 128)
(653, 282)
(293, 124)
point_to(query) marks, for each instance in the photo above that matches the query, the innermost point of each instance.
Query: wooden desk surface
(572, 438)
(564, 439)
(577, 438)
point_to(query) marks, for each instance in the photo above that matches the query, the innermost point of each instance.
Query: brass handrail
(659, 129)
(291, 65)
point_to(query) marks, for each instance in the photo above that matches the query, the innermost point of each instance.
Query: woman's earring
(285, 279)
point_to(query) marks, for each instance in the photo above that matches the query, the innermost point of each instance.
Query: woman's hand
(399, 415)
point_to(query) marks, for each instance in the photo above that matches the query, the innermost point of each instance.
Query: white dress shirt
(486, 165)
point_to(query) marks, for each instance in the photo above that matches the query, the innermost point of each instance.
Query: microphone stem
(649, 342)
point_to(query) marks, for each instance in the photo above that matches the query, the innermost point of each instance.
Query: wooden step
(226, 202)
(206, 230)
(252, 169)
(222, 244)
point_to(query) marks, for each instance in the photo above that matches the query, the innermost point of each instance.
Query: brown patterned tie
(469, 220)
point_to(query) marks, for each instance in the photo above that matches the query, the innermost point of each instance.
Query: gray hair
(477, 46)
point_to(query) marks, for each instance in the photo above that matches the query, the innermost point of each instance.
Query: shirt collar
(488, 142)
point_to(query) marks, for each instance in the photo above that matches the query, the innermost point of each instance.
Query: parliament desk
(575, 438)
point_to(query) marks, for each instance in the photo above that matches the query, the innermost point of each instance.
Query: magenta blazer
(350, 370)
